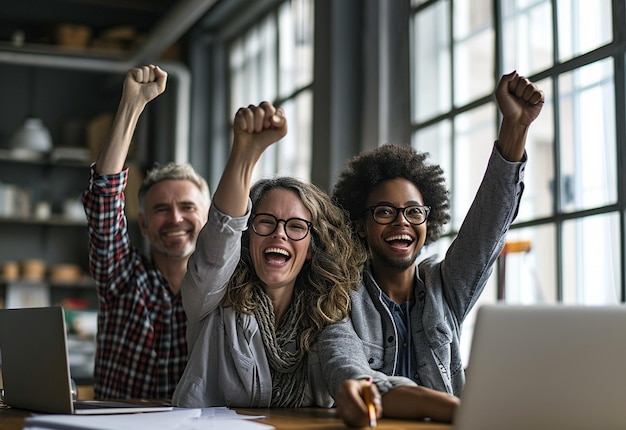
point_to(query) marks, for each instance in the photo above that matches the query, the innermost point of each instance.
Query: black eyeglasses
(385, 214)
(295, 228)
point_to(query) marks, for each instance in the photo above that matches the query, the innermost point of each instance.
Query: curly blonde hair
(326, 280)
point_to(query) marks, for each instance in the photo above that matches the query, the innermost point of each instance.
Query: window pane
(591, 263)
(291, 156)
(253, 66)
(294, 151)
(474, 137)
(268, 163)
(587, 127)
(525, 277)
(237, 74)
(437, 141)
(538, 200)
(279, 51)
(527, 35)
(473, 50)
(583, 26)
(430, 57)
(296, 45)
(528, 266)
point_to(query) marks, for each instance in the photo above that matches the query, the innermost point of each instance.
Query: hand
(144, 84)
(257, 127)
(519, 100)
(351, 405)
(141, 85)
(254, 128)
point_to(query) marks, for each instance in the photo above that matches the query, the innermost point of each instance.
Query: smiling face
(277, 259)
(173, 214)
(398, 244)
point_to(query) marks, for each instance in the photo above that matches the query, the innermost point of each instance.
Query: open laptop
(35, 365)
(546, 368)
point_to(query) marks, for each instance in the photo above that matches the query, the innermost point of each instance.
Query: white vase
(31, 140)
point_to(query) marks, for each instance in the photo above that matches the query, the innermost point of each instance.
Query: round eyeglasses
(386, 214)
(265, 224)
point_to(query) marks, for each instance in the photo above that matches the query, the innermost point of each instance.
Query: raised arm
(255, 128)
(141, 85)
(210, 266)
(520, 102)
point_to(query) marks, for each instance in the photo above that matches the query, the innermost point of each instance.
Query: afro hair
(391, 161)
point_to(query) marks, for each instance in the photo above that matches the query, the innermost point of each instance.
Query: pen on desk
(369, 401)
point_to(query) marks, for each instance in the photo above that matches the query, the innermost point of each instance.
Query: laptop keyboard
(96, 404)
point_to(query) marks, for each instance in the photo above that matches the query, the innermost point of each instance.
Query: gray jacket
(227, 364)
(445, 292)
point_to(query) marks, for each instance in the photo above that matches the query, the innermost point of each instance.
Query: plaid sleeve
(109, 241)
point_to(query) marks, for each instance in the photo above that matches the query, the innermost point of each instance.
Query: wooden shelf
(82, 282)
(54, 220)
(6, 156)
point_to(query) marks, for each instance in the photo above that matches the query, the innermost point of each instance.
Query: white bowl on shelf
(31, 141)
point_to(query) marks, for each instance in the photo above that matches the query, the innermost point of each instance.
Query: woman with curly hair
(273, 267)
(406, 318)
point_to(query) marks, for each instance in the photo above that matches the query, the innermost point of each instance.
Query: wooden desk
(281, 419)
(327, 419)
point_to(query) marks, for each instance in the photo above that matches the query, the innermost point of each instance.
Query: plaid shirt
(141, 345)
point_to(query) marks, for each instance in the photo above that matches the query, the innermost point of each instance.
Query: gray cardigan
(227, 364)
(445, 291)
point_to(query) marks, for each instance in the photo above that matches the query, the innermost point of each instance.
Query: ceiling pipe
(179, 19)
(64, 61)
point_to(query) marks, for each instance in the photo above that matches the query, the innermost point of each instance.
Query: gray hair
(173, 171)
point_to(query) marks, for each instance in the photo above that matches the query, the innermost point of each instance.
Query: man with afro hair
(406, 318)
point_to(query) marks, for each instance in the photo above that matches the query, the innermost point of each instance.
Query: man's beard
(393, 263)
(159, 247)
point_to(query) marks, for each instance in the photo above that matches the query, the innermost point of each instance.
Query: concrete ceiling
(38, 17)
(156, 23)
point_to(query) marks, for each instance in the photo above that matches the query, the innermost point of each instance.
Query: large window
(273, 61)
(566, 244)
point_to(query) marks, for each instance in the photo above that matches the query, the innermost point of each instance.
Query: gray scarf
(288, 369)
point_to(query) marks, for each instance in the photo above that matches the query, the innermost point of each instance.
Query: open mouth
(400, 241)
(276, 255)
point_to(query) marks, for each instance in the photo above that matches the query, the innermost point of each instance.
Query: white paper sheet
(177, 419)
